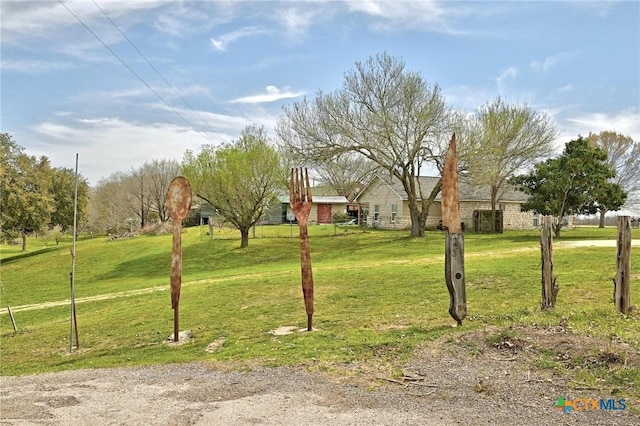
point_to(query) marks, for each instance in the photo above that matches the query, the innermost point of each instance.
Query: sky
(121, 83)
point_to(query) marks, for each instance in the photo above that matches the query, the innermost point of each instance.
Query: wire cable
(132, 71)
(152, 66)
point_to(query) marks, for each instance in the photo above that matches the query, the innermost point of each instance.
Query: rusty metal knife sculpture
(178, 204)
(454, 245)
(300, 201)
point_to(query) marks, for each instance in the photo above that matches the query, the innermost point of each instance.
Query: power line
(152, 66)
(131, 70)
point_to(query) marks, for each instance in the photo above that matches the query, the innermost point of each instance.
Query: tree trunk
(244, 240)
(417, 230)
(419, 216)
(602, 213)
(557, 228)
(494, 195)
(417, 225)
(24, 241)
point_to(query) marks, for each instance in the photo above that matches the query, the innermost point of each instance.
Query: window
(394, 212)
(536, 220)
(376, 212)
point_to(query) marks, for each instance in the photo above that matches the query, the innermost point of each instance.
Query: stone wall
(513, 218)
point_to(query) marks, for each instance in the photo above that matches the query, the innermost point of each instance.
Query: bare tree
(111, 207)
(623, 156)
(383, 113)
(157, 175)
(136, 195)
(508, 139)
(127, 201)
(347, 173)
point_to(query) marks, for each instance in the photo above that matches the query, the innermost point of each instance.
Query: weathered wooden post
(454, 243)
(178, 203)
(549, 285)
(623, 276)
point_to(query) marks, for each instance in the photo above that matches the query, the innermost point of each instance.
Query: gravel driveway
(444, 383)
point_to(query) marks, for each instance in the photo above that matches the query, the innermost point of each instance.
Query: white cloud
(598, 8)
(30, 19)
(296, 21)
(626, 122)
(109, 144)
(272, 93)
(218, 44)
(467, 98)
(108, 97)
(505, 76)
(545, 65)
(426, 15)
(34, 66)
(551, 61)
(566, 88)
(223, 41)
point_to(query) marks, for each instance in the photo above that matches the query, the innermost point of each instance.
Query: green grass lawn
(379, 295)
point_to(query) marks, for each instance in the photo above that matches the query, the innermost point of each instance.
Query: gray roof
(468, 191)
(337, 199)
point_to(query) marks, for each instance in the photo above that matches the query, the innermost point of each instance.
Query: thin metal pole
(13, 321)
(74, 325)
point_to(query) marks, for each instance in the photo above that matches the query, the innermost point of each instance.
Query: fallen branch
(409, 381)
(583, 386)
(427, 385)
(392, 380)
(513, 358)
(412, 378)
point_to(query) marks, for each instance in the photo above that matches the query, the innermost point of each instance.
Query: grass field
(379, 295)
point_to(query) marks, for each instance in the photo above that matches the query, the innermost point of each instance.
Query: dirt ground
(481, 377)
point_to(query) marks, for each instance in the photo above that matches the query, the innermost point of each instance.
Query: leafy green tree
(508, 138)
(572, 183)
(623, 156)
(63, 192)
(25, 192)
(383, 113)
(240, 179)
(610, 197)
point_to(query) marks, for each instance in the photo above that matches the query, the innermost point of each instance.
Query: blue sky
(222, 65)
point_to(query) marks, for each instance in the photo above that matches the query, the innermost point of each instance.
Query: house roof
(468, 191)
(337, 199)
(323, 191)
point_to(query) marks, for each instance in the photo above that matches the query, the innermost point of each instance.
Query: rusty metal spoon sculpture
(300, 201)
(178, 204)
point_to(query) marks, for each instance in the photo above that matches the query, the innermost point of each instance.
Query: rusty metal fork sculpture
(300, 201)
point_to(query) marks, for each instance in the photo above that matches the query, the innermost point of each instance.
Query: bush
(157, 228)
(340, 218)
